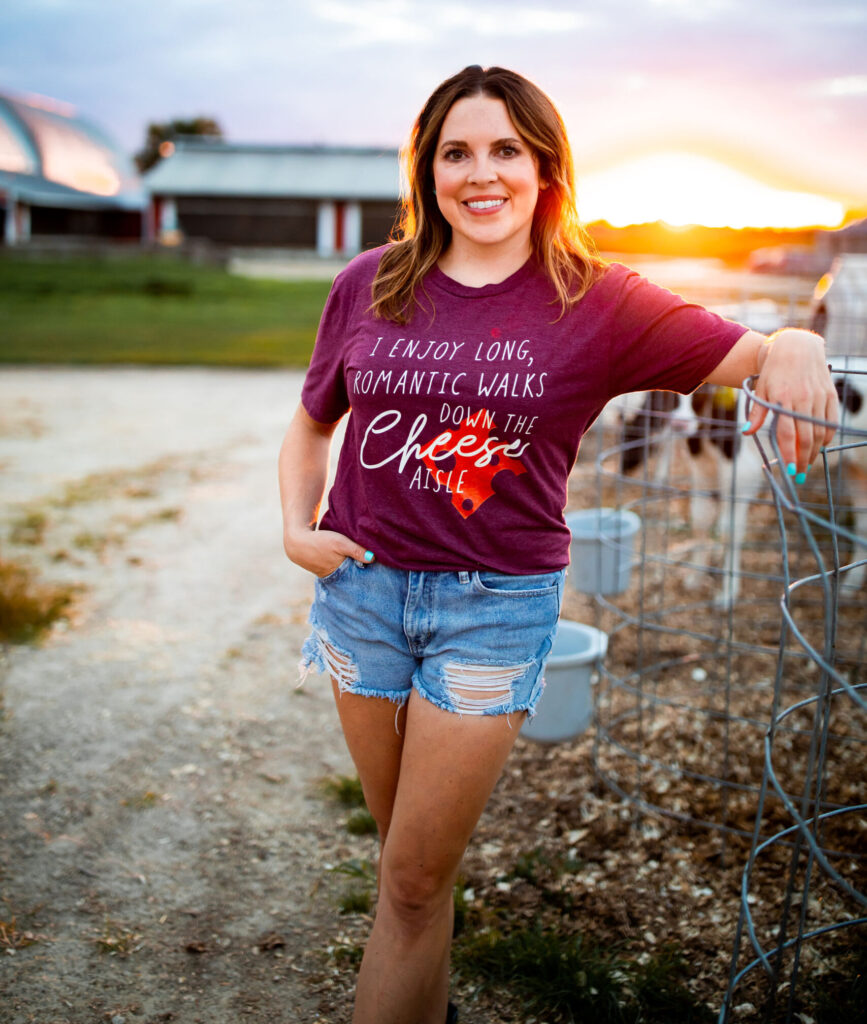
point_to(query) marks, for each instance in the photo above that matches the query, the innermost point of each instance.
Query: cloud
(523, 22)
(377, 21)
(693, 11)
(847, 85)
(406, 21)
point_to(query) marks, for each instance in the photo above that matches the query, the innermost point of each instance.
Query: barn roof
(50, 155)
(213, 168)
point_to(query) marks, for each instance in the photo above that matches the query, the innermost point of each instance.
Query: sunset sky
(687, 110)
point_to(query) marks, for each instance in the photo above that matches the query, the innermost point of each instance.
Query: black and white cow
(726, 468)
(850, 379)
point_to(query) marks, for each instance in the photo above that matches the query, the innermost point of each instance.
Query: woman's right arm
(303, 474)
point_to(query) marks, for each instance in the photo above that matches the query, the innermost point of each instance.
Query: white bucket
(566, 706)
(602, 546)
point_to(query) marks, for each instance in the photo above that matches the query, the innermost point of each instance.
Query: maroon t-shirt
(465, 423)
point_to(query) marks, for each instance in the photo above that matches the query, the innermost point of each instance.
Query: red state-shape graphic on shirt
(474, 481)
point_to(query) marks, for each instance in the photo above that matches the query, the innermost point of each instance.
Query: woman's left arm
(792, 373)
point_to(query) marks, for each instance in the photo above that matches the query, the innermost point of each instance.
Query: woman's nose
(482, 171)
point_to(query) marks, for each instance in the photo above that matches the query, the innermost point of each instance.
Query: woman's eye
(454, 154)
(509, 151)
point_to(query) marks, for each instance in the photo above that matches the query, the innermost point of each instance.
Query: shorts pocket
(336, 573)
(508, 585)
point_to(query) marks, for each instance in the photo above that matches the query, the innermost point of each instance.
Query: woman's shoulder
(609, 274)
(614, 282)
(361, 269)
(352, 288)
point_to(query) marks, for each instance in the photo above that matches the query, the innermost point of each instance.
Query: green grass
(344, 789)
(571, 978)
(152, 309)
(546, 972)
(29, 528)
(361, 823)
(357, 868)
(355, 900)
(28, 606)
(839, 995)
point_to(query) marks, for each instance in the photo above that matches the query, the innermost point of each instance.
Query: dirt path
(163, 847)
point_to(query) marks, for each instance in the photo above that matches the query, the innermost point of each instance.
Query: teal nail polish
(745, 426)
(791, 469)
(800, 478)
(368, 556)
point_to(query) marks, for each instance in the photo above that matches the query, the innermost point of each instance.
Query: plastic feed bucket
(566, 706)
(603, 540)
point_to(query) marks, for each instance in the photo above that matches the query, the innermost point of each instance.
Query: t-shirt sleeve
(324, 395)
(662, 342)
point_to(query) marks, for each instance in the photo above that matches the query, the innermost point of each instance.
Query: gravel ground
(164, 846)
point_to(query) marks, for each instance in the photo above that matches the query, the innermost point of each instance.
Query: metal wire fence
(822, 845)
(732, 698)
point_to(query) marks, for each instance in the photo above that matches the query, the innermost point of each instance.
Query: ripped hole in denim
(475, 689)
(338, 664)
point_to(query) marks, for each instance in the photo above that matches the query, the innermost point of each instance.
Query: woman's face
(486, 179)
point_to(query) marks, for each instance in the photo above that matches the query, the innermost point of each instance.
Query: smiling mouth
(485, 204)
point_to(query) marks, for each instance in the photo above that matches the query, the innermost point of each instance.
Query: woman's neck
(476, 269)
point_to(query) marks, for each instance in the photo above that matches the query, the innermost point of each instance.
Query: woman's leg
(448, 767)
(374, 729)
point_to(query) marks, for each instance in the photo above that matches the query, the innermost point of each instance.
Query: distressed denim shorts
(470, 642)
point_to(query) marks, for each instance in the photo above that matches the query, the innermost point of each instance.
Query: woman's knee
(414, 894)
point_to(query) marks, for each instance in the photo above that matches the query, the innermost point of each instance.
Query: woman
(474, 352)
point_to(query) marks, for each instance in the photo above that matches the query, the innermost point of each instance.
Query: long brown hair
(559, 243)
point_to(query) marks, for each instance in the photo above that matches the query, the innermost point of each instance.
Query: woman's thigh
(374, 730)
(448, 769)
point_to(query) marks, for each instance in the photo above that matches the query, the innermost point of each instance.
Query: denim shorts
(472, 642)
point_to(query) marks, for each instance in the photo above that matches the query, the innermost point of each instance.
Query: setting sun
(682, 188)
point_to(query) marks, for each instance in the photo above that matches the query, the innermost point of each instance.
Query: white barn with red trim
(331, 200)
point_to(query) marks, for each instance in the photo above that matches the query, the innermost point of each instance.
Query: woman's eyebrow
(462, 143)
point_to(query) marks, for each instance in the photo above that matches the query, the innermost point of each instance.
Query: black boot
(452, 1014)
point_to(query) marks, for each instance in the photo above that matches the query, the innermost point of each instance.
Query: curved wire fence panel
(732, 696)
(814, 843)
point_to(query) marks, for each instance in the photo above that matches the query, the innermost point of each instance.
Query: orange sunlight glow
(684, 188)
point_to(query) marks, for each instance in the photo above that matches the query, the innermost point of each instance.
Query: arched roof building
(61, 175)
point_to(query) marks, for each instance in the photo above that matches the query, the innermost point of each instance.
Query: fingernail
(791, 469)
(745, 426)
(800, 478)
(368, 556)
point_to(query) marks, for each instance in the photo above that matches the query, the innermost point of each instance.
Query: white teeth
(485, 204)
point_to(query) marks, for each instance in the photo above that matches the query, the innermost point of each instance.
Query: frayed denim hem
(399, 697)
(311, 660)
(535, 697)
(311, 655)
(315, 656)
